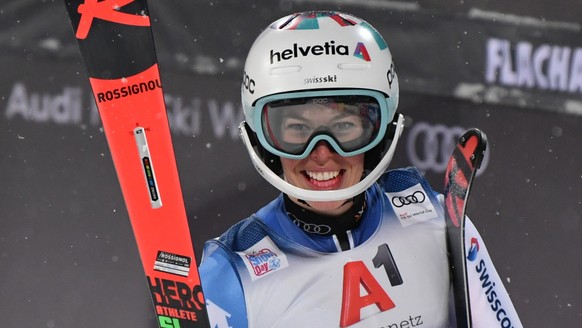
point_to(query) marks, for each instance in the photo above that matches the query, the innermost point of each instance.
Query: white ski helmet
(320, 56)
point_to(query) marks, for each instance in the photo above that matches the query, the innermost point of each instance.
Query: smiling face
(324, 169)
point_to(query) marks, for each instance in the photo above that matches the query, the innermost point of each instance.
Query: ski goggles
(350, 121)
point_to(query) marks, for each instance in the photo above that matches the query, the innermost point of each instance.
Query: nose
(322, 151)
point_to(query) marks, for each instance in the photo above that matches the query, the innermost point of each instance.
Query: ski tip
(476, 142)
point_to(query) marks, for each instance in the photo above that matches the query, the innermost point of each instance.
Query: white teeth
(323, 176)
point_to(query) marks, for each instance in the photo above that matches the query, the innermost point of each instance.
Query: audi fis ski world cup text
(412, 205)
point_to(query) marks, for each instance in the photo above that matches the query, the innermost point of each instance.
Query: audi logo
(320, 229)
(429, 147)
(416, 198)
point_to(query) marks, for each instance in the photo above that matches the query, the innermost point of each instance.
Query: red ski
(461, 170)
(116, 43)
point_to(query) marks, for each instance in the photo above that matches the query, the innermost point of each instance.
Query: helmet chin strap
(322, 195)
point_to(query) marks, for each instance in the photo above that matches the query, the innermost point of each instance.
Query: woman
(346, 243)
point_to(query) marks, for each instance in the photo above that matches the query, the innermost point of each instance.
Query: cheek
(356, 162)
(288, 165)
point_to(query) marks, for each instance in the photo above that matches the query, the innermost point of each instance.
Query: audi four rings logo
(429, 147)
(320, 229)
(416, 198)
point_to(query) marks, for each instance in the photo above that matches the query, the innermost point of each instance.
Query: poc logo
(319, 101)
(248, 83)
(391, 75)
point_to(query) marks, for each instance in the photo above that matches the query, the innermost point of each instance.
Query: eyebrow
(337, 116)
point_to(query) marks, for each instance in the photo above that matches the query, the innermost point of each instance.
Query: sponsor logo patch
(173, 263)
(412, 205)
(263, 258)
(329, 48)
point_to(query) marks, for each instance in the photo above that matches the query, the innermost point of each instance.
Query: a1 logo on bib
(412, 205)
